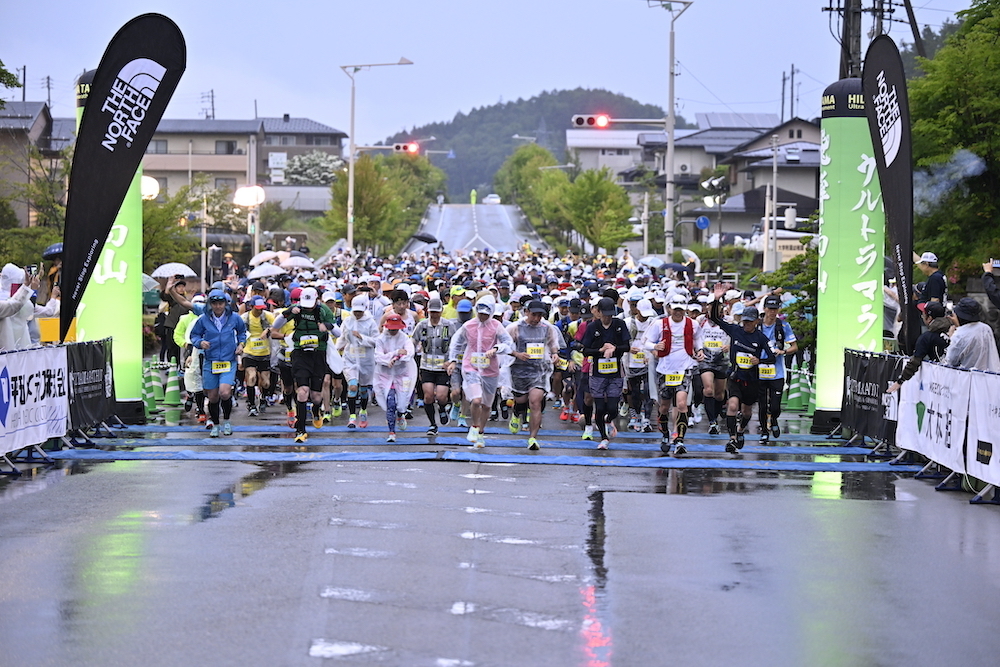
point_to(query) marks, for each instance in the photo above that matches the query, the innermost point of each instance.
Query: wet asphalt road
(465, 227)
(467, 563)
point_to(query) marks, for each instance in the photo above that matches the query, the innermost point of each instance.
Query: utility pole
(47, 82)
(24, 82)
(850, 42)
(791, 95)
(784, 78)
(210, 98)
(918, 41)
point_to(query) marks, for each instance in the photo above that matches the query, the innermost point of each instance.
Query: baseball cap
(772, 301)
(394, 322)
(750, 314)
(733, 294)
(933, 308)
(349, 288)
(575, 306)
(308, 297)
(359, 303)
(678, 302)
(198, 298)
(464, 306)
(434, 305)
(295, 294)
(607, 307)
(536, 307)
(258, 302)
(504, 283)
(217, 295)
(928, 257)
(694, 307)
(645, 307)
(329, 295)
(457, 290)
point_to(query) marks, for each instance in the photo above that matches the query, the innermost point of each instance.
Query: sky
(285, 57)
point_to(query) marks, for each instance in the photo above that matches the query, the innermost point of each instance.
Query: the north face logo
(129, 100)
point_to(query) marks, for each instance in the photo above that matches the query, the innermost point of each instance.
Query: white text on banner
(34, 397)
(984, 428)
(933, 413)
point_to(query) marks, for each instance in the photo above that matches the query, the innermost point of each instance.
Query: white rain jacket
(402, 375)
(358, 353)
(16, 310)
(478, 338)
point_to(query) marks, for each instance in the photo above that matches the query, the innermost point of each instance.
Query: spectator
(990, 284)
(972, 344)
(16, 308)
(177, 305)
(932, 344)
(936, 288)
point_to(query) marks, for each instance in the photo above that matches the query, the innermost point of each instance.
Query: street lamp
(351, 70)
(250, 197)
(149, 187)
(668, 217)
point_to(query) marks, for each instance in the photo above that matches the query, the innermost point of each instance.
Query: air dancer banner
(131, 88)
(888, 110)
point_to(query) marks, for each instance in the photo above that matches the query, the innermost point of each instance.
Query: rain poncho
(16, 310)
(358, 352)
(478, 338)
(540, 342)
(402, 375)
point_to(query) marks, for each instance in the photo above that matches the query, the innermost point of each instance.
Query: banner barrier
(46, 391)
(950, 415)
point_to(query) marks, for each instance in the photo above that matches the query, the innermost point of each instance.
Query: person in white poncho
(357, 346)
(16, 308)
(395, 371)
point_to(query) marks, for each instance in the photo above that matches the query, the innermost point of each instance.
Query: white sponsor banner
(983, 451)
(34, 397)
(933, 413)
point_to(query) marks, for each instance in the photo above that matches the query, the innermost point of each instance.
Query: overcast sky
(286, 55)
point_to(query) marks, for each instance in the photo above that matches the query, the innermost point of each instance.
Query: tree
(376, 207)
(164, 238)
(41, 181)
(7, 80)
(957, 106)
(313, 168)
(599, 209)
(273, 216)
(933, 41)
(799, 276)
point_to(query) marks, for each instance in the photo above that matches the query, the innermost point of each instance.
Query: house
(30, 144)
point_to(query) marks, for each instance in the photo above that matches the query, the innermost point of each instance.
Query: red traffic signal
(599, 120)
(411, 147)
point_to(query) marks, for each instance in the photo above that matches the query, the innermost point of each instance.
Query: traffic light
(599, 120)
(411, 148)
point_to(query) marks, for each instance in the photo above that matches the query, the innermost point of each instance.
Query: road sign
(702, 222)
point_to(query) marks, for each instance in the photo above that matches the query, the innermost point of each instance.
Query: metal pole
(771, 249)
(766, 264)
(645, 224)
(350, 176)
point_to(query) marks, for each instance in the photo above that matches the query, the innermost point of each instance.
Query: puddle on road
(233, 495)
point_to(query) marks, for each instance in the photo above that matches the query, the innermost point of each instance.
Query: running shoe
(352, 422)
(494, 415)
(588, 433)
(481, 442)
(564, 415)
(696, 415)
(647, 427)
(473, 434)
(515, 424)
(251, 411)
(504, 411)
(317, 421)
(214, 433)
(401, 423)
(327, 417)
(290, 419)
(432, 429)
(713, 429)
(363, 419)
(209, 424)
(633, 424)
(775, 429)
(665, 444)
(337, 410)
(262, 408)
(732, 447)
(227, 428)
(614, 429)
(301, 436)
(557, 404)
(463, 421)
(533, 444)
(188, 404)
(202, 418)
(575, 417)
(765, 437)
(680, 449)
(455, 411)
(740, 440)
(391, 437)
(444, 416)
(603, 444)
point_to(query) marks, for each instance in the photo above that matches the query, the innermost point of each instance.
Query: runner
(395, 371)
(606, 341)
(220, 334)
(772, 379)
(432, 338)
(256, 359)
(357, 346)
(637, 366)
(536, 349)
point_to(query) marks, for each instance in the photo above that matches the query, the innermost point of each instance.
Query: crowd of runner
(484, 337)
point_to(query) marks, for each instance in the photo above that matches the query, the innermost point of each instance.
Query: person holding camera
(16, 308)
(990, 283)
(175, 296)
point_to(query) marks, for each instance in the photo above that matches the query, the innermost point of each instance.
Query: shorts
(309, 369)
(747, 392)
(285, 373)
(210, 380)
(668, 392)
(260, 363)
(606, 387)
(437, 378)
(480, 386)
(720, 371)
(456, 378)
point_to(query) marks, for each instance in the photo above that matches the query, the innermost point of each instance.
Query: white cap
(645, 307)
(359, 303)
(678, 301)
(928, 257)
(307, 299)
(733, 294)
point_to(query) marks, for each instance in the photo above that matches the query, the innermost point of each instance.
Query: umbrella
(674, 266)
(149, 283)
(265, 271)
(298, 253)
(173, 269)
(262, 257)
(652, 262)
(53, 251)
(298, 263)
(426, 238)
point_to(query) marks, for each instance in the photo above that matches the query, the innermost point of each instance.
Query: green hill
(482, 139)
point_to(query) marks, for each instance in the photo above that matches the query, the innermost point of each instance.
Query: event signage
(124, 104)
(851, 242)
(867, 409)
(888, 111)
(91, 383)
(34, 397)
(933, 410)
(983, 446)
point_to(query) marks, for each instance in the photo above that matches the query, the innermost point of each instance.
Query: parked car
(491, 199)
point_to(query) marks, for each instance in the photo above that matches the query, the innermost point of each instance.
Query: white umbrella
(149, 284)
(297, 263)
(262, 256)
(173, 269)
(265, 271)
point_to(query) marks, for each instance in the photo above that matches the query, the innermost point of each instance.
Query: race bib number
(767, 371)
(639, 358)
(562, 364)
(480, 360)
(713, 345)
(434, 362)
(286, 354)
(309, 342)
(535, 352)
(744, 361)
(220, 367)
(257, 347)
(607, 366)
(673, 379)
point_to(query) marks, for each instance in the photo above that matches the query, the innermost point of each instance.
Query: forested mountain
(482, 139)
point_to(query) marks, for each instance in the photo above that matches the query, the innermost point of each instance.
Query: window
(624, 151)
(269, 140)
(791, 134)
(798, 134)
(319, 140)
(225, 147)
(225, 184)
(157, 146)
(287, 140)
